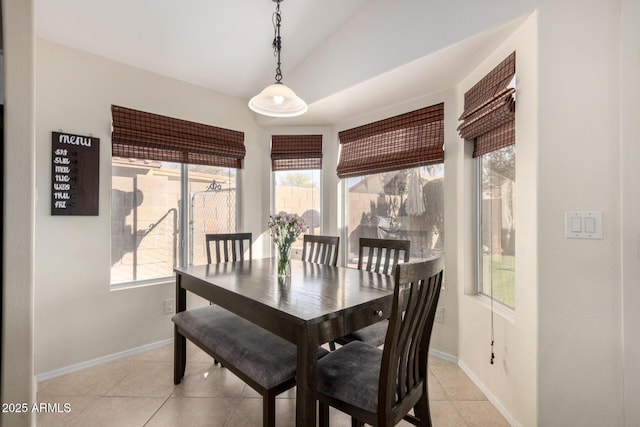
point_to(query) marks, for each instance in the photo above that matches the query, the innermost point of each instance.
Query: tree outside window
(497, 222)
(405, 204)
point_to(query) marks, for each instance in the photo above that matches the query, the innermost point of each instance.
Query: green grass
(499, 272)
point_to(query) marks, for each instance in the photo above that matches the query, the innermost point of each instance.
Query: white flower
(285, 228)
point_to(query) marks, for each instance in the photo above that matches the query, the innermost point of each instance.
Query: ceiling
(226, 46)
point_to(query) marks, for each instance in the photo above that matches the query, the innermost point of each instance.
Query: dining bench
(264, 361)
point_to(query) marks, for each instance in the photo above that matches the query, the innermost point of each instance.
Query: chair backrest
(320, 249)
(228, 247)
(403, 374)
(382, 255)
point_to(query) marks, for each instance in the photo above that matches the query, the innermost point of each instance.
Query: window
(489, 122)
(173, 181)
(147, 205)
(296, 161)
(497, 224)
(393, 171)
(404, 204)
(298, 192)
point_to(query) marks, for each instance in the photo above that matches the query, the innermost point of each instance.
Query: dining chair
(381, 386)
(382, 255)
(228, 247)
(320, 249)
(377, 256)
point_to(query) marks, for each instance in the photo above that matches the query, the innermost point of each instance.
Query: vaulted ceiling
(343, 57)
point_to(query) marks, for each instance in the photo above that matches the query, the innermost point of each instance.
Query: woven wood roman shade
(408, 140)
(489, 110)
(142, 135)
(293, 152)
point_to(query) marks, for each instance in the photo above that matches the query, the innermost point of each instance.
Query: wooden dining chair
(381, 386)
(377, 256)
(382, 255)
(320, 249)
(228, 247)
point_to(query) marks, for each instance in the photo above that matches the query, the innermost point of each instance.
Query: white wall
(630, 165)
(78, 318)
(559, 360)
(511, 381)
(18, 221)
(579, 281)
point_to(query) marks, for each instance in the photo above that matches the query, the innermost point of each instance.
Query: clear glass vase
(284, 261)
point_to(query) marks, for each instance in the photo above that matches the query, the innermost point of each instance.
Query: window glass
(405, 204)
(212, 206)
(146, 203)
(497, 222)
(298, 191)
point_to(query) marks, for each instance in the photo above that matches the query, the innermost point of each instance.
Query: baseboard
(115, 356)
(490, 396)
(444, 356)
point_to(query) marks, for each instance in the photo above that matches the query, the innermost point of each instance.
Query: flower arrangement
(285, 229)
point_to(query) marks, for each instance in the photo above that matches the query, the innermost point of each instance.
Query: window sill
(503, 311)
(142, 284)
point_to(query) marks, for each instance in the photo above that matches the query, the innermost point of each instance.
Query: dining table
(316, 304)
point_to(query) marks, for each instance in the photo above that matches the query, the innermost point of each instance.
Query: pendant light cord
(277, 40)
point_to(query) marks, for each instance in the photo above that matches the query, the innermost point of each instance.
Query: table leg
(306, 377)
(179, 341)
(179, 356)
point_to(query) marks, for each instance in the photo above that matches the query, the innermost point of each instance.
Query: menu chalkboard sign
(75, 162)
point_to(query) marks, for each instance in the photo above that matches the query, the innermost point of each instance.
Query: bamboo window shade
(295, 152)
(142, 135)
(408, 140)
(489, 110)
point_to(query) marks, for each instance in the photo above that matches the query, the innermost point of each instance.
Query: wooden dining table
(315, 305)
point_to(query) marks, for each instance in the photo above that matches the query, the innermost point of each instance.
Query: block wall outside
(145, 219)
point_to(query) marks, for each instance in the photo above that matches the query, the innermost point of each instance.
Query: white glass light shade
(278, 100)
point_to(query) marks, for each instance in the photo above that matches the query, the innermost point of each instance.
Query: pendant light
(277, 100)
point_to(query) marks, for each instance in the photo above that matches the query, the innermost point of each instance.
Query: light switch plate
(583, 224)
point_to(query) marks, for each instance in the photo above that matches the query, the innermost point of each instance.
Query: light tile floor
(138, 391)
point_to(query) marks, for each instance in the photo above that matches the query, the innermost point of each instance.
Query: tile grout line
(158, 410)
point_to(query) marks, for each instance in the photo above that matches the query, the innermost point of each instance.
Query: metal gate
(212, 211)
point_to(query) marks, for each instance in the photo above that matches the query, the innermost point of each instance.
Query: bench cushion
(264, 357)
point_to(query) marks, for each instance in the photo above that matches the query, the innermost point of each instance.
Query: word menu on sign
(74, 174)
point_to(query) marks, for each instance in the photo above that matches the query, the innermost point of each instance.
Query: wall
(18, 221)
(510, 383)
(630, 165)
(579, 281)
(78, 318)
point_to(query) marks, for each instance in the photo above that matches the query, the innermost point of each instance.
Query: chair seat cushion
(373, 334)
(266, 358)
(351, 374)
